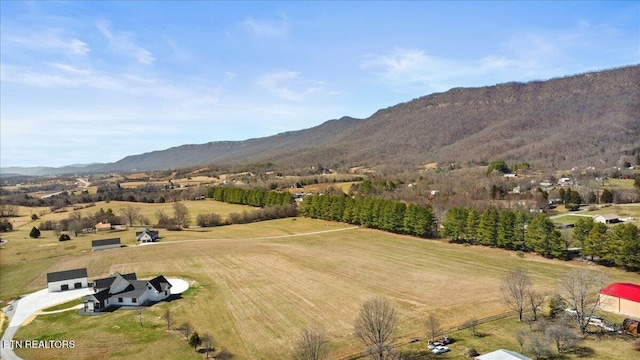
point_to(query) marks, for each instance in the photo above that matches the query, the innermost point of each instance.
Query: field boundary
(448, 330)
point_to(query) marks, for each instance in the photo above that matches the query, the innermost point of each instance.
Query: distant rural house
(564, 180)
(621, 298)
(103, 226)
(105, 244)
(147, 236)
(125, 290)
(67, 279)
(607, 219)
(502, 354)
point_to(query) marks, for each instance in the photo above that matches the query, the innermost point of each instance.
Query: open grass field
(255, 286)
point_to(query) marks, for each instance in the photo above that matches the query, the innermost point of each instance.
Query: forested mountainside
(591, 119)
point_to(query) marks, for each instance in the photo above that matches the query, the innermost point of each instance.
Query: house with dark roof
(105, 244)
(621, 298)
(120, 290)
(147, 235)
(67, 280)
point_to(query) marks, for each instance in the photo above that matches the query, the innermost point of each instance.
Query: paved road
(29, 305)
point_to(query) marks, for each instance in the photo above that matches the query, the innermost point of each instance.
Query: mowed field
(255, 286)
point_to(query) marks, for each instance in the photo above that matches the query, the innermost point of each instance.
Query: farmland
(255, 286)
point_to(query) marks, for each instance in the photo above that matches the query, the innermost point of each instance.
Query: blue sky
(84, 82)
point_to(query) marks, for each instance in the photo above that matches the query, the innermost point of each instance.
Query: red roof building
(622, 298)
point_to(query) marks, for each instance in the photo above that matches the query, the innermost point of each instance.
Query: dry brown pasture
(257, 285)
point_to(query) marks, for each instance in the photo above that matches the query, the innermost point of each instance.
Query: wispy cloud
(525, 55)
(406, 70)
(266, 28)
(289, 85)
(51, 40)
(124, 43)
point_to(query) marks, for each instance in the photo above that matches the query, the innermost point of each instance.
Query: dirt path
(255, 238)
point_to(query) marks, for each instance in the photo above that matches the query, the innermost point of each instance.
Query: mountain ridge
(586, 119)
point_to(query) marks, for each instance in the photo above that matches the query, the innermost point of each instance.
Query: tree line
(392, 216)
(518, 230)
(507, 229)
(251, 197)
(613, 246)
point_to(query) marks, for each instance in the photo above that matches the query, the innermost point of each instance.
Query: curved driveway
(29, 305)
(34, 302)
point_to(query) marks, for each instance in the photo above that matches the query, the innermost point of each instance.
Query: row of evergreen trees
(251, 197)
(508, 229)
(517, 230)
(393, 216)
(615, 246)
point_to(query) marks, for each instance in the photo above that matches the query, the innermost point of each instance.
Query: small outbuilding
(105, 244)
(621, 298)
(67, 280)
(607, 219)
(502, 354)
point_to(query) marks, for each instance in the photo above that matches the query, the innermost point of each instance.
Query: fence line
(465, 325)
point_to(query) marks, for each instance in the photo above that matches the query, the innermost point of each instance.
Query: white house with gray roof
(67, 280)
(125, 290)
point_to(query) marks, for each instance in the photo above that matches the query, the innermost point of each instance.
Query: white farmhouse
(125, 290)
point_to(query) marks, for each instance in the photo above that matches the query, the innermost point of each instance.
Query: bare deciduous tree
(563, 337)
(535, 301)
(167, 318)
(433, 326)
(312, 345)
(130, 214)
(186, 329)
(471, 325)
(375, 327)
(538, 347)
(580, 288)
(521, 336)
(514, 289)
(181, 214)
(207, 342)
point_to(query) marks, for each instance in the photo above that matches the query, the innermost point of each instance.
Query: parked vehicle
(440, 350)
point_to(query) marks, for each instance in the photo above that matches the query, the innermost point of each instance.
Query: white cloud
(408, 70)
(289, 85)
(266, 28)
(229, 76)
(52, 40)
(124, 43)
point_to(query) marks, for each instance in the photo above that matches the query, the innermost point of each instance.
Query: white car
(440, 350)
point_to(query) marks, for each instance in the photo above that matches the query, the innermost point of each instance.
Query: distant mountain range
(592, 119)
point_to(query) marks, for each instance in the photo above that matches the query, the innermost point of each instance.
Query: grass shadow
(584, 352)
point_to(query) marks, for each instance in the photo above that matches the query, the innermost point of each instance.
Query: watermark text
(38, 344)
